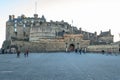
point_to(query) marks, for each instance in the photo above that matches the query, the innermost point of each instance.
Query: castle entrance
(71, 47)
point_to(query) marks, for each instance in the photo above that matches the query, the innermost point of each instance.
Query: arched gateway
(74, 42)
(71, 47)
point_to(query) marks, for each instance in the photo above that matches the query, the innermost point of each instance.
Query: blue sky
(90, 15)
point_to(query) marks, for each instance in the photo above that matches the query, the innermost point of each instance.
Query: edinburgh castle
(39, 35)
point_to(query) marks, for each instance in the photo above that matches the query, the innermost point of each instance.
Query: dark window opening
(15, 33)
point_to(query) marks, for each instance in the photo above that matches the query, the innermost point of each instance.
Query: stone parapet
(106, 48)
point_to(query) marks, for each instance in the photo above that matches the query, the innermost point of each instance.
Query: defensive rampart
(106, 48)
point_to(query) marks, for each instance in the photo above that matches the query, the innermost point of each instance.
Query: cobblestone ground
(60, 66)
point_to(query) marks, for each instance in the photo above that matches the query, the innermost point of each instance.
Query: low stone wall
(50, 45)
(106, 48)
(55, 46)
(61, 46)
(40, 47)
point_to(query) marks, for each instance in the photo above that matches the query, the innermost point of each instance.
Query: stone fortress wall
(107, 48)
(55, 45)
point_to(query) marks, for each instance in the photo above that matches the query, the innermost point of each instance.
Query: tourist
(3, 51)
(18, 53)
(76, 50)
(80, 50)
(26, 53)
(103, 51)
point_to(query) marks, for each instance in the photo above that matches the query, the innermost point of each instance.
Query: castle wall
(41, 46)
(108, 39)
(55, 46)
(106, 48)
(37, 33)
(9, 30)
(49, 45)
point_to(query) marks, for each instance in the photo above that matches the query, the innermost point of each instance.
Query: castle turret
(35, 15)
(22, 16)
(80, 29)
(10, 17)
(95, 33)
(110, 31)
(101, 31)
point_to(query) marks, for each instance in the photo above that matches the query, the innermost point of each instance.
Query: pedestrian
(26, 53)
(3, 50)
(80, 51)
(75, 50)
(103, 51)
(18, 53)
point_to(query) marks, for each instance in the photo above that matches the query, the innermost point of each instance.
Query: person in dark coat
(3, 50)
(80, 50)
(103, 51)
(76, 50)
(18, 53)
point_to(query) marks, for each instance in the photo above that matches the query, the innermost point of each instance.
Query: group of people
(25, 53)
(77, 50)
(80, 50)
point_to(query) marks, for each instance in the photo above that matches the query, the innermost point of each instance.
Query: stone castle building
(42, 36)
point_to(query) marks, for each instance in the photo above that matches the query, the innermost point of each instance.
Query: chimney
(10, 17)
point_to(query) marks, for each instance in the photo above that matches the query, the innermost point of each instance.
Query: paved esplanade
(60, 66)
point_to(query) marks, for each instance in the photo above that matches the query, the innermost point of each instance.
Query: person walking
(26, 52)
(18, 53)
(80, 50)
(3, 50)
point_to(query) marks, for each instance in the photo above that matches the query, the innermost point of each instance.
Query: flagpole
(72, 26)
